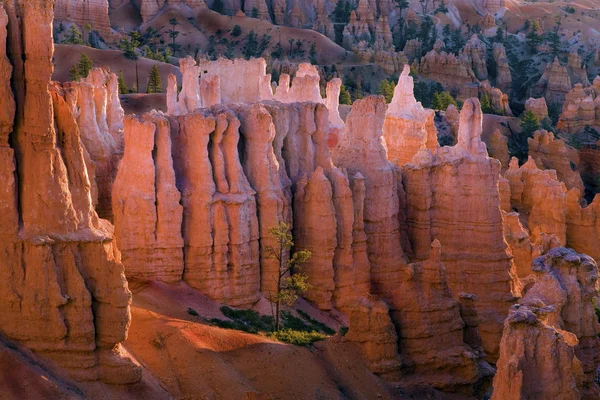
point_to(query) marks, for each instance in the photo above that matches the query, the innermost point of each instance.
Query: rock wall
(556, 315)
(551, 153)
(581, 108)
(80, 12)
(554, 84)
(452, 194)
(64, 294)
(408, 127)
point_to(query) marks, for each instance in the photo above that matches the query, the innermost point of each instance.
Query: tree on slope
(291, 281)
(154, 82)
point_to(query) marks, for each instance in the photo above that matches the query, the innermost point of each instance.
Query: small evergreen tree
(154, 81)
(499, 38)
(236, 31)
(529, 124)
(254, 12)
(123, 89)
(533, 38)
(486, 105)
(74, 74)
(251, 45)
(345, 96)
(386, 89)
(312, 54)
(73, 36)
(173, 34)
(130, 44)
(84, 65)
(441, 101)
(291, 281)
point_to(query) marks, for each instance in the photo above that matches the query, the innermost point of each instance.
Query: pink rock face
(65, 296)
(189, 99)
(583, 225)
(220, 228)
(451, 71)
(438, 186)
(540, 196)
(554, 84)
(362, 151)
(565, 284)
(581, 108)
(150, 8)
(261, 169)
(538, 107)
(408, 126)
(315, 230)
(80, 12)
(498, 148)
(551, 153)
(475, 54)
(148, 215)
(95, 101)
(504, 77)
(524, 369)
(372, 330)
(424, 311)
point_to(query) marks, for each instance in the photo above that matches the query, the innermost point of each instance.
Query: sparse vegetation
(441, 101)
(297, 338)
(154, 81)
(192, 312)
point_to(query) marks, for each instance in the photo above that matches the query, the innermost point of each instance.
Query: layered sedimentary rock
(452, 194)
(525, 371)
(93, 12)
(371, 329)
(146, 203)
(315, 230)
(578, 69)
(503, 75)
(499, 101)
(150, 8)
(362, 151)
(475, 54)
(451, 71)
(408, 126)
(498, 148)
(583, 225)
(95, 103)
(565, 285)
(538, 107)
(540, 196)
(551, 153)
(257, 9)
(431, 330)
(554, 84)
(581, 108)
(64, 294)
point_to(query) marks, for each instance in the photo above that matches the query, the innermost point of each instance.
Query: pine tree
(441, 101)
(123, 89)
(251, 45)
(529, 124)
(345, 96)
(312, 54)
(486, 105)
(386, 89)
(499, 35)
(154, 82)
(73, 36)
(74, 74)
(84, 65)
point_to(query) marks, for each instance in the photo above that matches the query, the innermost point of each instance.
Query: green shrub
(319, 326)
(297, 338)
(343, 331)
(192, 312)
(236, 31)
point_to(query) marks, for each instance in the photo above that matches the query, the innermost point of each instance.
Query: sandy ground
(65, 56)
(195, 360)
